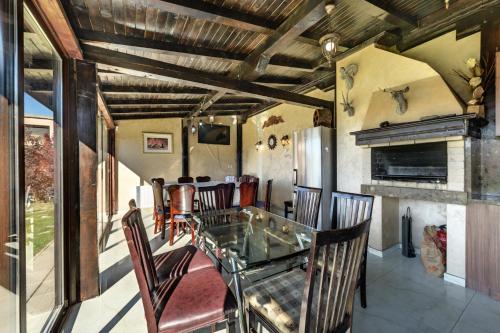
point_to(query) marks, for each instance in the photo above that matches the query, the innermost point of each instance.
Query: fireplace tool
(407, 247)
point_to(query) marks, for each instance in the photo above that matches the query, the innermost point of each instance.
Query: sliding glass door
(43, 176)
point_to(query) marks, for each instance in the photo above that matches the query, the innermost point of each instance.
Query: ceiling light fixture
(329, 44)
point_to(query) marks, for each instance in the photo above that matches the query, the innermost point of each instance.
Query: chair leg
(163, 229)
(362, 282)
(231, 324)
(172, 227)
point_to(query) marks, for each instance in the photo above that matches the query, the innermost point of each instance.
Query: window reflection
(43, 153)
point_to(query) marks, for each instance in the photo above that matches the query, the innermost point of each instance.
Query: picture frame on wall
(158, 143)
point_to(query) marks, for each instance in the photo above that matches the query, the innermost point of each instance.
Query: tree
(39, 166)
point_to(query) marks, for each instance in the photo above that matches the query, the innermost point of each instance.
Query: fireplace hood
(433, 110)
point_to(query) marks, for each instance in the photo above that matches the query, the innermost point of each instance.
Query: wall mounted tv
(214, 134)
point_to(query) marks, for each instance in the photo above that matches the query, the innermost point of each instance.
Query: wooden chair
(251, 179)
(181, 208)
(212, 199)
(347, 210)
(266, 204)
(326, 303)
(228, 194)
(306, 205)
(203, 179)
(166, 265)
(180, 303)
(247, 194)
(160, 212)
(185, 180)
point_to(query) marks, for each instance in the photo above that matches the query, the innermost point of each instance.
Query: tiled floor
(401, 297)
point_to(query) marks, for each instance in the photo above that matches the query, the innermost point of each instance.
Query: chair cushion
(178, 262)
(192, 301)
(279, 299)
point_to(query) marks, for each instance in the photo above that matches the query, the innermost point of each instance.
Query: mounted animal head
(347, 74)
(347, 104)
(399, 97)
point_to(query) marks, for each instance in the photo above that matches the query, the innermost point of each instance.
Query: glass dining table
(252, 244)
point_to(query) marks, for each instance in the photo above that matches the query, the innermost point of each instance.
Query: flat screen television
(214, 134)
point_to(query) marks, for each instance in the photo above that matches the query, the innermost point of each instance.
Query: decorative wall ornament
(273, 120)
(399, 97)
(347, 74)
(285, 140)
(272, 141)
(347, 104)
(258, 144)
(479, 79)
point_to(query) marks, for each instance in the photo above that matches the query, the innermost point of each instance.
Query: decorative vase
(477, 109)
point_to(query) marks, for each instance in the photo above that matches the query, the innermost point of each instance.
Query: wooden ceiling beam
(308, 14)
(148, 68)
(176, 108)
(155, 115)
(132, 89)
(176, 49)
(163, 101)
(388, 13)
(104, 110)
(229, 17)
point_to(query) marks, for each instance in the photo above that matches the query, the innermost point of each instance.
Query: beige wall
(445, 54)
(277, 163)
(216, 161)
(136, 168)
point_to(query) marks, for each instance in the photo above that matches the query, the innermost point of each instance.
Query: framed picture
(160, 143)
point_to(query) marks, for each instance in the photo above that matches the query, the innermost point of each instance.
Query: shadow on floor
(118, 270)
(119, 316)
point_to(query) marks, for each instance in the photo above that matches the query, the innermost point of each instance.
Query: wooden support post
(82, 167)
(185, 149)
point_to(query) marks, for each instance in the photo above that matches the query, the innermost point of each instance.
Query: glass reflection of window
(43, 183)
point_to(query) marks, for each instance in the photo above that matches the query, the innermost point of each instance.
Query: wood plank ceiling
(181, 58)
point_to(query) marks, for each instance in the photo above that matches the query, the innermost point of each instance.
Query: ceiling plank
(443, 21)
(176, 49)
(308, 14)
(388, 13)
(116, 89)
(229, 17)
(138, 66)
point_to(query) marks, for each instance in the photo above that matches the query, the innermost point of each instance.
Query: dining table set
(247, 260)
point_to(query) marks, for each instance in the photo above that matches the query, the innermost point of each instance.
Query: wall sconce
(211, 119)
(258, 145)
(285, 140)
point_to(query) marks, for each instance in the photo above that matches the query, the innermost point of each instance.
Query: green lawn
(40, 225)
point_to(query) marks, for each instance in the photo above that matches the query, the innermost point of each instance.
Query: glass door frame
(61, 256)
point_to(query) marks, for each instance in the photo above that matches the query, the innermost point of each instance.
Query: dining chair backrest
(228, 194)
(138, 236)
(212, 199)
(267, 200)
(159, 204)
(185, 180)
(349, 209)
(203, 179)
(331, 291)
(247, 194)
(306, 205)
(143, 265)
(249, 179)
(181, 198)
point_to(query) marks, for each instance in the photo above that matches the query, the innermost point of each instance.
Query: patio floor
(401, 296)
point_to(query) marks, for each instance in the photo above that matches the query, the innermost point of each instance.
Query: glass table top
(253, 238)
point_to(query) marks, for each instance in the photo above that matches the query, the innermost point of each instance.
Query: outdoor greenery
(40, 225)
